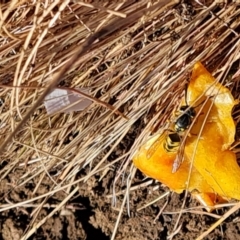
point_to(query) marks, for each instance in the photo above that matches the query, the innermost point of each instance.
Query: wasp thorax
(185, 120)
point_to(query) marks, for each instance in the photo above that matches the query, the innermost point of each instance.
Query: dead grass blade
(216, 224)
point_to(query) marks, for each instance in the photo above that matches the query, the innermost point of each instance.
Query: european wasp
(174, 140)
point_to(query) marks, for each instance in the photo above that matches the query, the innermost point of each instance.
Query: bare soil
(90, 214)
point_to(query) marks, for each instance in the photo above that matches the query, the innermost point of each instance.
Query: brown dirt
(90, 215)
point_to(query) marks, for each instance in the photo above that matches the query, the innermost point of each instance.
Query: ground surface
(90, 215)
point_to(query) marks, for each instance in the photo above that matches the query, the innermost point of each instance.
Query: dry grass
(135, 59)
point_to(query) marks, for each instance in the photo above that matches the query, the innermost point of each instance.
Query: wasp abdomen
(172, 142)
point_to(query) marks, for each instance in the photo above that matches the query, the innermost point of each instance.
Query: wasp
(174, 140)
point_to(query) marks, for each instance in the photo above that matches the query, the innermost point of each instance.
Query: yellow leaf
(215, 172)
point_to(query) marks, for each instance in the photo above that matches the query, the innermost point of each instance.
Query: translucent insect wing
(156, 144)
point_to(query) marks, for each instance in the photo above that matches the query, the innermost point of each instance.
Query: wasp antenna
(186, 87)
(209, 97)
(204, 101)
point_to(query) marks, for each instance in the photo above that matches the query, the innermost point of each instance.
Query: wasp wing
(156, 144)
(180, 155)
